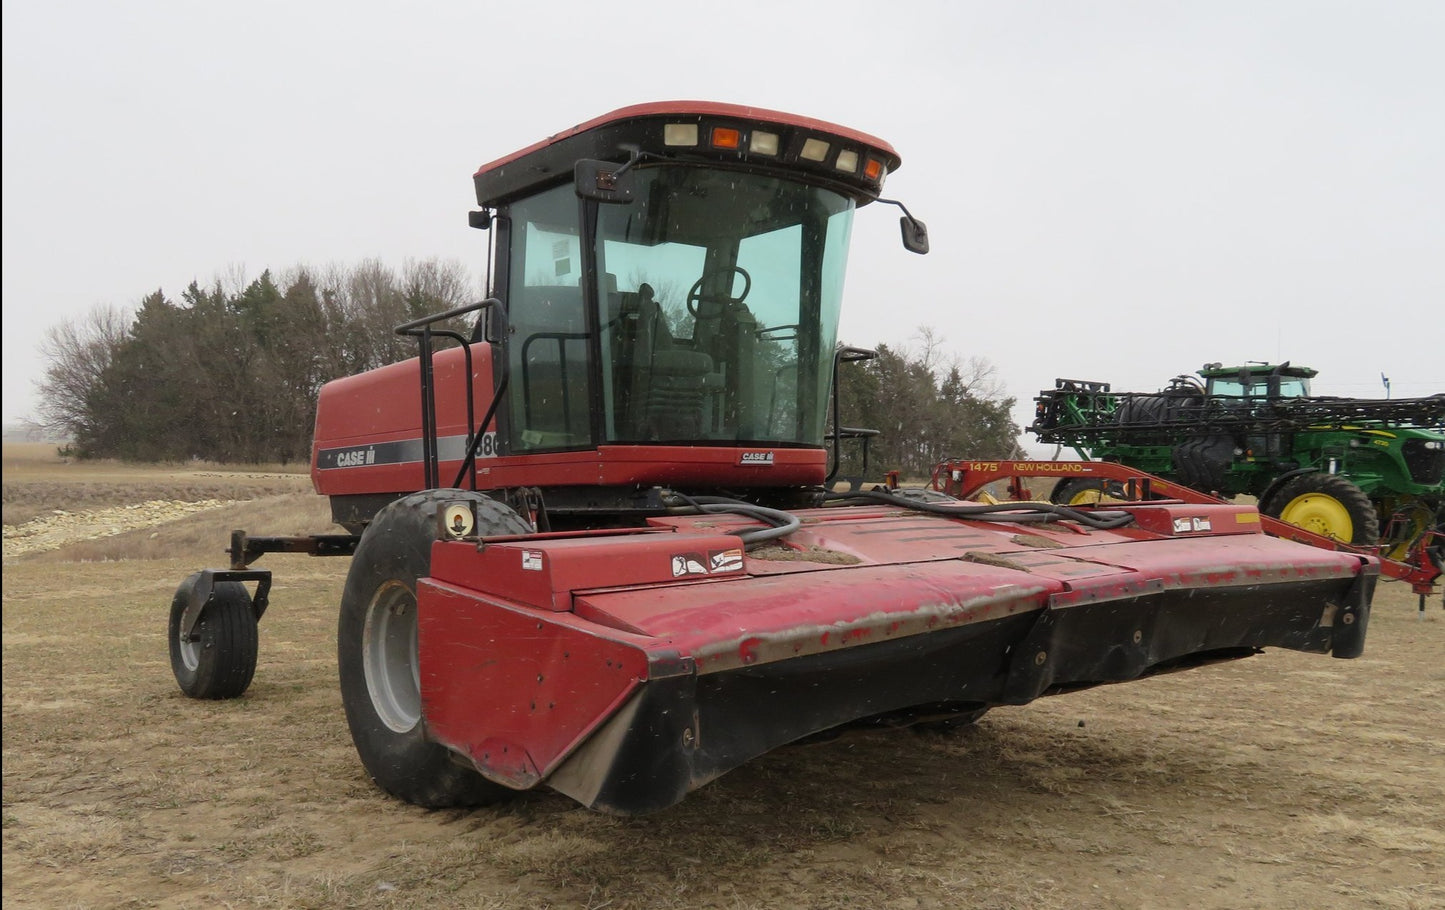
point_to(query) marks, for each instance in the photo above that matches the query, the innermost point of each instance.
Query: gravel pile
(53, 531)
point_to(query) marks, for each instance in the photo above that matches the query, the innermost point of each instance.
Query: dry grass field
(1282, 781)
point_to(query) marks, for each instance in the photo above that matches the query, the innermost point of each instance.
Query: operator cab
(672, 274)
(665, 288)
(1258, 381)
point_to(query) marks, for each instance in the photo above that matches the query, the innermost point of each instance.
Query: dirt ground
(1281, 781)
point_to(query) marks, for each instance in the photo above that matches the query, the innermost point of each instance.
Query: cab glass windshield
(719, 298)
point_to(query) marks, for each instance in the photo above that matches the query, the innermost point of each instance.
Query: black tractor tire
(218, 659)
(376, 646)
(1329, 505)
(1085, 491)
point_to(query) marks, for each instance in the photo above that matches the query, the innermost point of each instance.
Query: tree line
(230, 372)
(927, 407)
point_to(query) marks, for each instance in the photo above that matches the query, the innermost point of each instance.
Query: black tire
(218, 659)
(377, 653)
(1085, 491)
(1329, 505)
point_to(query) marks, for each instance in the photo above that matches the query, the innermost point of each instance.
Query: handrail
(845, 354)
(421, 329)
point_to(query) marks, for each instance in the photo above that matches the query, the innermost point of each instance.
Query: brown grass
(1285, 780)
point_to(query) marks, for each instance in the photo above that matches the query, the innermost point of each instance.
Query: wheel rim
(1093, 495)
(1416, 525)
(1320, 514)
(389, 657)
(190, 648)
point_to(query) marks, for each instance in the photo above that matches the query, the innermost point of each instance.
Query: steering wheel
(695, 296)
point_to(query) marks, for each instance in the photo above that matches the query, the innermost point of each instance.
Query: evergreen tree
(923, 418)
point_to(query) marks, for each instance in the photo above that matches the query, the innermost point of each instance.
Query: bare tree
(432, 285)
(78, 351)
(232, 279)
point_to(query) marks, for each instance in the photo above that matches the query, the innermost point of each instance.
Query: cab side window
(547, 347)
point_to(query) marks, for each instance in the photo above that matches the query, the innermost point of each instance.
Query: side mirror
(915, 234)
(604, 181)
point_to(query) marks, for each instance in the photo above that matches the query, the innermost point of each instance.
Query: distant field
(1282, 781)
(110, 510)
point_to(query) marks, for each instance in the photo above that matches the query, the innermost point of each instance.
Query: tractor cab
(1258, 381)
(666, 282)
(701, 312)
(672, 275)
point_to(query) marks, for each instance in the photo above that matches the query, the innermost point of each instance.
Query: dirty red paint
(561, 642)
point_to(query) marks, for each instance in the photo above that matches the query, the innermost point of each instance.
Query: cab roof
(1219, 370)
(751, 138)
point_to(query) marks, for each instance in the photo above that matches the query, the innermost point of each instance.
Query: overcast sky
(1114, 191)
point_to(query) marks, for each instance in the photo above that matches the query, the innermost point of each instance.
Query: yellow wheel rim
(1091, 497)
(1419, 523)
(1320, 514)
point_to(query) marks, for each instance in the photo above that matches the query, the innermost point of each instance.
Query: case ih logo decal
(351, 458)
(716, 562)
(402, 451)
(756, 458)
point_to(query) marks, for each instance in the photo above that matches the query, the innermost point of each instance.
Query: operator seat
(670, 384)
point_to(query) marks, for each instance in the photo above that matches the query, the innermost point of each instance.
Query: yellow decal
(1246, 518)
(1045, 468)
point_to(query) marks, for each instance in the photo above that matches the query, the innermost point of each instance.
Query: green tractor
(1368, 472)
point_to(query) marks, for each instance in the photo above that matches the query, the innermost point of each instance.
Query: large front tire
(1328, 505)
(377, 653)
(218, 658)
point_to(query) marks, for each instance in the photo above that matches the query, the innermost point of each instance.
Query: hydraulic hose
(780, 523)
(1017, 513)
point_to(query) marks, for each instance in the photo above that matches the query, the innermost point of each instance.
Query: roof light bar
(765, 142)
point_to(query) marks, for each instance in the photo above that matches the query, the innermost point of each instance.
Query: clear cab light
(725, 137)
(762, 143)
(847, 161)
(815, 150)
(873, 170)
(679, 134)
